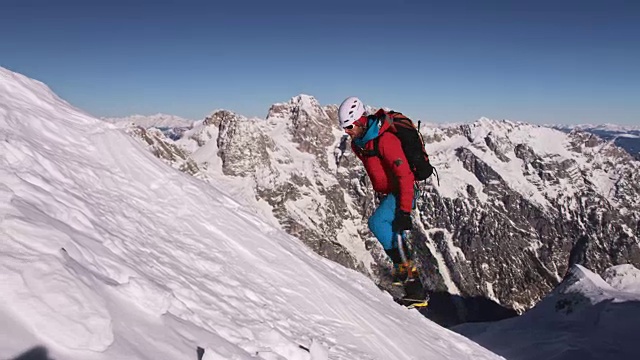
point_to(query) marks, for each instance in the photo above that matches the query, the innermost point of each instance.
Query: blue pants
(380, 222)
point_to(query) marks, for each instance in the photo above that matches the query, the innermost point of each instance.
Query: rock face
(163, 148)
(537, 201)
(518, 204)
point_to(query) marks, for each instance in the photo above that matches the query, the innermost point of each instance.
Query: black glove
(402, 221)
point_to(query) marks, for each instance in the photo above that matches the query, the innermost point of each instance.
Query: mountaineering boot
(406, 277)
(398, 273)
(408, 270)
(406, 282)
(402, 270)
(405, 272)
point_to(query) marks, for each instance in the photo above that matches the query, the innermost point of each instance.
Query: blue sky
(542, 62)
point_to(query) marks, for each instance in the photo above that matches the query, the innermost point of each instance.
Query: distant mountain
(147, 121)
(627, 137)
(585, 317)
(517, 205)
(170, 125)
(602, 127)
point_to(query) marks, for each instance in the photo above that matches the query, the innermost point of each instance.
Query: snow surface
(107, 253)
(585, 317)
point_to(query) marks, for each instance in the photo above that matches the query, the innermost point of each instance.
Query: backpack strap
(397, 119)
(374, 151)
(400, 120)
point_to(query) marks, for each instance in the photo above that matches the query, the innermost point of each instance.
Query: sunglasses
(362, 118)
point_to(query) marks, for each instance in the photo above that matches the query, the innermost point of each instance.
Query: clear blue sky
(538, 61)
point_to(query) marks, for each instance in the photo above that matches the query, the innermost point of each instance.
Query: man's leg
(380, 225)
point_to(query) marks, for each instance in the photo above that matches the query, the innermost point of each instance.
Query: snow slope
(107, 253)
(586, 317)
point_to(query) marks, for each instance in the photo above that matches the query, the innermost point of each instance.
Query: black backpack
(412, 145)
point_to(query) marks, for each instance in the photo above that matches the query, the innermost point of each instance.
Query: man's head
(351, 114)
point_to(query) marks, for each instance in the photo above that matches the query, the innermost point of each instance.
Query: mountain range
(518, 204)
(158, 120)
(626, 137)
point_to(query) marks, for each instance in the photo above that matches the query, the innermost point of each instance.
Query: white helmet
(350, 110)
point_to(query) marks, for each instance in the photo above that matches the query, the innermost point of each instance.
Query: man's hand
(402, 221)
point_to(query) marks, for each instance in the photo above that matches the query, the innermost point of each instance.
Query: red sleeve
(393, 157)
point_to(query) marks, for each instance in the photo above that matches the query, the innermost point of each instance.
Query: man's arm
(392, 156)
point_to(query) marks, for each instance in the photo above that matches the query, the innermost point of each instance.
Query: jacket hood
(376, 125)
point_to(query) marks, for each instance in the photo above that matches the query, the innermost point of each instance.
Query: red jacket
(389, 172)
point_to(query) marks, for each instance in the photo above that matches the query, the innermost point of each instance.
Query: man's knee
(382, 231)
(373, 224)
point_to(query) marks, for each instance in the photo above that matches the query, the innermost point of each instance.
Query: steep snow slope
(106, 253)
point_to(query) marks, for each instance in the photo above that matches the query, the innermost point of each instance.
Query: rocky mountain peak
(297, 104)
(306, 121)
(332, 112)
(219, 116)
